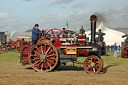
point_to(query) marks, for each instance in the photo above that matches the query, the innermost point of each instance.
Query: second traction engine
(124, 47)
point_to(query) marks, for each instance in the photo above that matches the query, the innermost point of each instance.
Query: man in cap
(35, 34)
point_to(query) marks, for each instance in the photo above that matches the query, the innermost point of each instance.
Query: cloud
(3, 15)
(75, 20)
(58, 2)
(15, 23)
(114, 18)
(79, 5)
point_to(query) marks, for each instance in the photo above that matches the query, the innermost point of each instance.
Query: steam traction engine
(62, 46)
(15, 45)
(5, 46)
(124, 47)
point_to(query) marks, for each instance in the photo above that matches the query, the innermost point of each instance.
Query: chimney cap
(93, 17)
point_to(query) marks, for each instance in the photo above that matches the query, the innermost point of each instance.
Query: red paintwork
(81, 39)
(125, 53)
(8, 44)
(40, 40)
(18, 41)
(57, 34)
(64, 52)
(82, 51)
(30, 42)
(57, 43)
(13, 45)
(23, 43)
(2, 42)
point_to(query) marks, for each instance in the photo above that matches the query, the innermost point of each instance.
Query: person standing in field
(115, 50)
(35, 34)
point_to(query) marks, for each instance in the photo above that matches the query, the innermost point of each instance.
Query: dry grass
(13, 73)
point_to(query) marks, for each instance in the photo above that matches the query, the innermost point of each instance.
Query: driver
(35, 34)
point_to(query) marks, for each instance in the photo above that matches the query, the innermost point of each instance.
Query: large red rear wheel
(43, 57)
(4, 49)
(93, 64)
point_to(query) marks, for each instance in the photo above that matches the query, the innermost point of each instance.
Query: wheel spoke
(38, 49)
(96, 67)
(37, 53)
(48, 50)
(51, 55)
(38, 65)
(95, 60)
(45, 48)
(34, 55)
(36, 62)
(42, 50)
(45, 65)
(37, 58)
(88, 63)
(50, 61)
(92, 60)
(42, 65)
(88, 67)
(48, 64)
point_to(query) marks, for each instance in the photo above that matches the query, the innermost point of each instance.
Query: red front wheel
(93, 64)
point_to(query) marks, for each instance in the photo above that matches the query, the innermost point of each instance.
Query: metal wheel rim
(43, 57)
(93, 64)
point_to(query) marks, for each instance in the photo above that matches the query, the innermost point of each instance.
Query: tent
(111, 36)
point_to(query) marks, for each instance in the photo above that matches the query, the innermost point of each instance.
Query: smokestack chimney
(93, 19)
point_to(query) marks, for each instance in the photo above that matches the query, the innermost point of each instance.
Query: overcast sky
(20, 15)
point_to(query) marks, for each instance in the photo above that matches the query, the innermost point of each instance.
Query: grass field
(13, 73)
